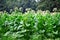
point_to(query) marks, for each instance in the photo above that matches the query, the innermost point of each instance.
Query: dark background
(33, 4)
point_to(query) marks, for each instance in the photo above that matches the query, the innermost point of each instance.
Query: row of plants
(30, 26)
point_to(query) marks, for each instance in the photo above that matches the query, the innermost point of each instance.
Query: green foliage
(29, 26)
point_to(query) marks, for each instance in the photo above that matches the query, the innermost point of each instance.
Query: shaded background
(33, 4)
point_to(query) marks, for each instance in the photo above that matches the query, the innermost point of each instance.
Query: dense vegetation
(33, 4)
(30, 26)
(34, 24)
